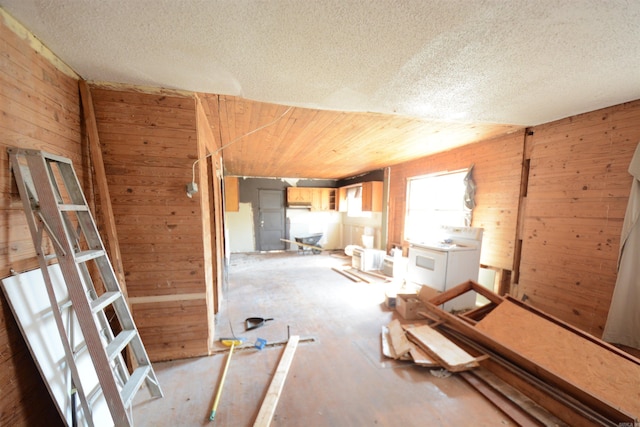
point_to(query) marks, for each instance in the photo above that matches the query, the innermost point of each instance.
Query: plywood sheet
(585, 364)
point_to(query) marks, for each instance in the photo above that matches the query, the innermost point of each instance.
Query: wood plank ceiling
(308, 143)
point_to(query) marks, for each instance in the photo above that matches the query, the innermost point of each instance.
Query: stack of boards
(425, 346)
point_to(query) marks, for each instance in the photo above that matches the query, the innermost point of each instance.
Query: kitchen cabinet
(317, 199)
(299, 196)
(231, 194)
(323, 199)
(372, 196)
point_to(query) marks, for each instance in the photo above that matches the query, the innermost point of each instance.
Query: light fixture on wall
(192, 187)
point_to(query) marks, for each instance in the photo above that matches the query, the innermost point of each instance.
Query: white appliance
(449, 259)
(395, 266)
(367, 259)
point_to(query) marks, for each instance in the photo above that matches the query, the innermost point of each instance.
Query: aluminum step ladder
(56, 208)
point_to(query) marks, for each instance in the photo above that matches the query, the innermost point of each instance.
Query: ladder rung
(135, 381)
(85, 256)
(64, 304)
(49, 257)
(104, 300)
(94, 394)
(120, 342)
(78, 350)
(65, 207)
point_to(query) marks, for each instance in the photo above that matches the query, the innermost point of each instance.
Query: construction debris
(545, 358)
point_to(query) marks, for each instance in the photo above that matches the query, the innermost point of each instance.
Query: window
(439, 199)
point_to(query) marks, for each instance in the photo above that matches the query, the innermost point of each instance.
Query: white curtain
(623, 322)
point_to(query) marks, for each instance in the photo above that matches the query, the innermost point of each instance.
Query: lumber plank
(518, 398)
(346, 274)
(268, 408)
(356, 273)
(508, 407)
(452, 357)
(306, 245)
(101, 181)
(398, 338)
(421, 358)
(387, 348)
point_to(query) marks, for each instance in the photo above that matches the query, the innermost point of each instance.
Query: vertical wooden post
(113, 245)
(205, 145)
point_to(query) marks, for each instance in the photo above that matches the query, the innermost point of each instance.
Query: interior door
(271, 220)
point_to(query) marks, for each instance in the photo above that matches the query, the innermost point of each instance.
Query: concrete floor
(339, 379)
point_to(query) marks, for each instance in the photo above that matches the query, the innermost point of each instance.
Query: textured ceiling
(518, 62)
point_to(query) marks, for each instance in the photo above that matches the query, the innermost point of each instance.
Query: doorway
(271, 220)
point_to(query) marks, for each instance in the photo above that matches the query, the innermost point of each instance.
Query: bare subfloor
(338, 379)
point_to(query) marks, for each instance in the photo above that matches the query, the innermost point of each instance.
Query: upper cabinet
(299, 196)
(323, 199)
(372, 196)
(317, 199)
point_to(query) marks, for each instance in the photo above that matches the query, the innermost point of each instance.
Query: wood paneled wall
(497, 174)
(39, 110)
(149, 144)
(573, 213)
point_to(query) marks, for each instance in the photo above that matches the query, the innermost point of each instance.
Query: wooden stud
(101, 181)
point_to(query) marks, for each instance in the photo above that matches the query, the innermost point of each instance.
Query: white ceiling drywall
(521, 62)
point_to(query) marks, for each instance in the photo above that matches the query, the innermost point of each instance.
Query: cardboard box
(427, 292)
(408, 306)
(390, 299)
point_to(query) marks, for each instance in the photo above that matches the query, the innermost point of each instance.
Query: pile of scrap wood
(578, 378)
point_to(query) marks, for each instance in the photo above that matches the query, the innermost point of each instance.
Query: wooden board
(590, 367)
(452, 357)
(268, 408)
(399, 341)
(421, 358)
(387, 348)
(346, 274)
(305, 245)
(513, 410)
